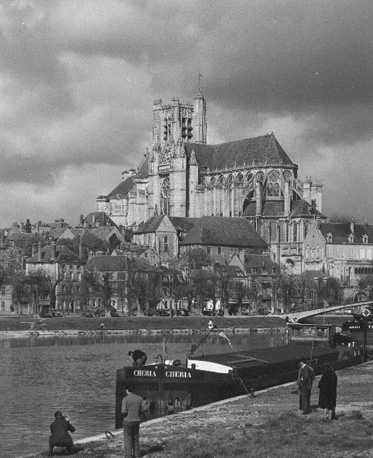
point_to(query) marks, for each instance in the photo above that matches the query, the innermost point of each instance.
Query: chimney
(53, 250)
(81, 246)
(258, 197)
(286, 199)
(34, 250)
(39, 251)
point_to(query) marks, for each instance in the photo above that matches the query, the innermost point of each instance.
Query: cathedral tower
(199, 122)
(172, 121)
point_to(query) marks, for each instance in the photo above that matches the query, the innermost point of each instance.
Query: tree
(84, 291)
(31, 288)
(106, 291)
(331, 291)
(195, 259)
(90, 285)
(204, 284)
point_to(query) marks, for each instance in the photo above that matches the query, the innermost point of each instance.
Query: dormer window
(329, 238)
(365, 238)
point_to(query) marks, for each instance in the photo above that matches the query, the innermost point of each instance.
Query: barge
(170, 386)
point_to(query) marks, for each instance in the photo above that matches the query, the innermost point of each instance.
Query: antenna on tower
(200, 82)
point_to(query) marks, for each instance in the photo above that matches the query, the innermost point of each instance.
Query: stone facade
(340, 250)
(183, 176)
(6, 299)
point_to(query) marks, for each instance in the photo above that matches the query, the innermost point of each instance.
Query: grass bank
(268, 425)
(191, 322)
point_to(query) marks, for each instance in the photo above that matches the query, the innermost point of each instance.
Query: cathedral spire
(199, 122)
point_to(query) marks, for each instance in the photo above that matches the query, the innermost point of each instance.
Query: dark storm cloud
(273, 57)
(77, 78)
(115, 145)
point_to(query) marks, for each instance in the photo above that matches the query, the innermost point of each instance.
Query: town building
(63, 268)
(222, 238)
(340, 250)
(6, 299)
(128, 285)
(110, 272)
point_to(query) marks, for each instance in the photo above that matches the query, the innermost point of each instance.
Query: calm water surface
(77, 377)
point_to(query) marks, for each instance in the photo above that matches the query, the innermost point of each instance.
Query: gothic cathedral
(182, 175)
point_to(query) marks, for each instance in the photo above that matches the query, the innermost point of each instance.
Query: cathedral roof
(99, 219)
(224, 231)
(150, 225)
(183, 224)
(263, 150)
(123, 188)
(143, 169)
(301, 208)
(275, 208)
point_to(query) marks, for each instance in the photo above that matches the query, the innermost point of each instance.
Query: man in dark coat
(305, 379)
(328, 392)
(60, 433)
(132, 411)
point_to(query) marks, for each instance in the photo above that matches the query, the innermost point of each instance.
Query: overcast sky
(78, 77)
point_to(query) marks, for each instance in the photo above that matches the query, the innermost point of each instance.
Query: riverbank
(134, 323)
(268, 424)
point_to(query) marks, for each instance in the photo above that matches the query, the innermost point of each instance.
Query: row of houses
(99, 248)
(229, 242)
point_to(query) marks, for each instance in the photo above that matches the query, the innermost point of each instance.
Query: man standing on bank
(132, 411)
(305, 379)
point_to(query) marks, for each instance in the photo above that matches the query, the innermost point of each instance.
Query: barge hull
(169, 389)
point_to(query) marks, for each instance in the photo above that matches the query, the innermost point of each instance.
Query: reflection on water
(68, 374)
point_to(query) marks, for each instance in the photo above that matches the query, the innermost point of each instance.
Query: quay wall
(71, 333)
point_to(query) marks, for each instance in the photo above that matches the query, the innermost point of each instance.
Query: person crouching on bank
(133, 412)
(60, 437)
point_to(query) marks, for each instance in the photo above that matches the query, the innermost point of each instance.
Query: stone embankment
(135, 326)
(267, 425)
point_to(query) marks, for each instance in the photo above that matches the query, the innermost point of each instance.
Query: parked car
(114, 313)
(149, 312)
(57, 313)
(209, 309)
(45, 314)
(163, 312)
(182, 312)
(88, 314)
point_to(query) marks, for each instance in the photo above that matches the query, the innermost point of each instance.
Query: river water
(77, 376)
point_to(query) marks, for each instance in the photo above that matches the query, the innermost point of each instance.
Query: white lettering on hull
(168, 374)
(178, 374)
(144, 373)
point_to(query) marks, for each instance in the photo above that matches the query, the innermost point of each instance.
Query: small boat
(170, 386)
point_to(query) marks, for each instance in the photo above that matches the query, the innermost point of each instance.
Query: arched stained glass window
(165, 196)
